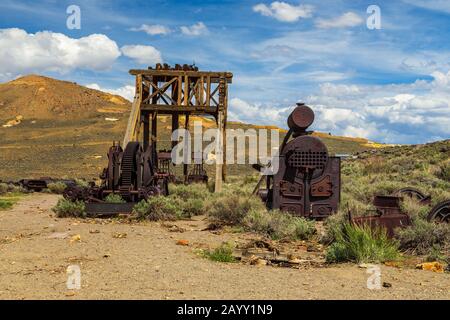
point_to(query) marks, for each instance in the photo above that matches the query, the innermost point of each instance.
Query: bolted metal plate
(109, 209)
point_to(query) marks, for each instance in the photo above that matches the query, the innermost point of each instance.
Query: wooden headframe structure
(179, 91)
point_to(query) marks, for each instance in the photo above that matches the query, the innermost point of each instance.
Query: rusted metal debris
(413, 193)
(440, 212)
(388, 215)
(37, 185)
(308, 182)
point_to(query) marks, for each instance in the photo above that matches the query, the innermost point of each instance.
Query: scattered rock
(76, 238)
(431, 266)
(94, 231)
(119, 235)
(58, 235)
(387, 285)
(182, 242)
(257, 261)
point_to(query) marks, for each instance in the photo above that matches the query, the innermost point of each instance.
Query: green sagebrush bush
(157, 208)
(66, 208)
(114, 198)
(279, 225)
(231, 208)
(56, 187)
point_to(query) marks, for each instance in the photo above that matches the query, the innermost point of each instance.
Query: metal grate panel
(309, 159)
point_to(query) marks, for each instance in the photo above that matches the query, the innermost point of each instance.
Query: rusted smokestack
(301, 118)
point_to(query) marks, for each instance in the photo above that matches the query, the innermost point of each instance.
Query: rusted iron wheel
(440, 212)
(149, 192)
(410, 192)
(75, 193)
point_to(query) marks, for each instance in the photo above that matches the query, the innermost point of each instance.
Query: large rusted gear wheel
(440, 212)
(76, 193)
(410, 192)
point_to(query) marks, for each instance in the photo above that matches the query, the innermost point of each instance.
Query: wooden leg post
(219, 153)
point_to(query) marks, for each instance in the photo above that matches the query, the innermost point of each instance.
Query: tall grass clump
(223, 253)
(65, 208)
(361, 244)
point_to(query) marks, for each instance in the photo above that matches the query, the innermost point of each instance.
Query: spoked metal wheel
(440, 212)
(410, 192)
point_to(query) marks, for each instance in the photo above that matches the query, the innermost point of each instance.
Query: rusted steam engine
(308, 181)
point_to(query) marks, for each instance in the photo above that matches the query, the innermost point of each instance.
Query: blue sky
(390, 84)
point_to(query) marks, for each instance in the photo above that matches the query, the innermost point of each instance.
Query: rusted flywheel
(410, 192)
(440, 212)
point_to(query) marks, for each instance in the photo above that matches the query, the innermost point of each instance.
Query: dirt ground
(36, 248)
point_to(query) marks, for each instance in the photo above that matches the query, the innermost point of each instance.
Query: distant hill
(57, 128)
(38, 97)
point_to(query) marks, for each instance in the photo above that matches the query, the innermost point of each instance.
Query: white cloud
(394, 113)
(126, 92)
(142, 54)
(153, 30)
(22, 52)
(197, 29)
(348, 19)
(283, 11)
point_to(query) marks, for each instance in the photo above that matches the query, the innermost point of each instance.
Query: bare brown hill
(38, 97)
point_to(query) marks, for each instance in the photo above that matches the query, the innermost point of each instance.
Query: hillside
(57, 128)
(38, 97)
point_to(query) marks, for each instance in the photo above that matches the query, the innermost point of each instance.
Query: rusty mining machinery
(130, 173)
(308, 180)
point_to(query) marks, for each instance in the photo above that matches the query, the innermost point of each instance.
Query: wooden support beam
(154, 117)
(175, 125)
(146, 137)
(219, 154)
(185, 165)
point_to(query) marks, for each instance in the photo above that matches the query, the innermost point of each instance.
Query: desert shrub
(251, 179)
(232, 208)
(192, 207)
(66, 208)
(82, 183)
(436, 254)
(192, 191)
(57, 187)
(114, 198)
(279, 225)
(157, 208)
(12, 188)
(422, 236)
(362, 244)
(444, 172)
(223, 253)
(6, 204)
(334, 227)
(3, 188)
(414, 208)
